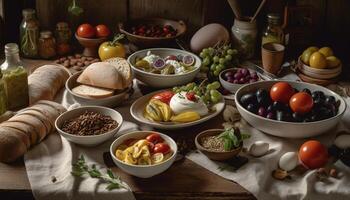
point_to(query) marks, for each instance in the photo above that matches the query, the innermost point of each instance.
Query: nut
(333, 173)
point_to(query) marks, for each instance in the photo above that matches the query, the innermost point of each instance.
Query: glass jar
(273, 32)
(244, 35)
(47, 45)
(63, 36)
(15, 78)
(29, 34)
(3, 97)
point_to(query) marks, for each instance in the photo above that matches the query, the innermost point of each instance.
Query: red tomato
(281, 92)
(301, 102)
(161, 148)
(86, 31)
(313, 154)
(151, 147)
(191, 96)
(165, 96)
(154, 138)
(102, 31)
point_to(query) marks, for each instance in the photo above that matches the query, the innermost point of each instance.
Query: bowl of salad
(164, 67)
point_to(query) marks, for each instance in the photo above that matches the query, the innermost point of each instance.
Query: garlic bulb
(231, 114)
(288, 161)
(259, 148)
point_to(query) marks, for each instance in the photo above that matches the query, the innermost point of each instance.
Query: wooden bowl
(90, 45)
(215, 155)
(302, 66)
(143, 41)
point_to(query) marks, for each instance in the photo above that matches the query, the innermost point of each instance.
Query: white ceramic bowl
(232, 87)
(138, 107)
(92, 140)
(143, 171)
(289, 129)
(159, 80)
(111, 102)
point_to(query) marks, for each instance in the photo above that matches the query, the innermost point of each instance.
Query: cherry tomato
(161, 148)
(281, 92)
(102, 31)
(154, 138)
(151, 147)
(301, 103)
(165, 96)
(86, 31)
(191, 96)
(313, 154)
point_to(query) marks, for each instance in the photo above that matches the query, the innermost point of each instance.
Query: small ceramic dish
(138, 107)
(111, 102)
(143, 171)
(91, 140)
(233, 87)
(215, 155)
(161, 80)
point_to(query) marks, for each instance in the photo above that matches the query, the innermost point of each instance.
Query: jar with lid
(273, 32)
(47, 45)
(29, 34)
(244, 35)
(15, 78)
(63, 37)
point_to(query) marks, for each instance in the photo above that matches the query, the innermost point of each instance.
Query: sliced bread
(123, 68)
(102, 75)
(92, 92)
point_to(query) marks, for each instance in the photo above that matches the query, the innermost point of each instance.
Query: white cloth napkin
(53, 158)
(256, 177)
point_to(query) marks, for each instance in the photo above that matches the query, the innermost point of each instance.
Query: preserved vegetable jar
(29, 34)
(3, 97)
(244, 35)
(47, 45)
(273, 32)
(15, 78)
(63, 38)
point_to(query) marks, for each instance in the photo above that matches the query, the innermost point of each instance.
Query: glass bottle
(273, 32)
(15, 78)
(29, 34)
(3, 97)
(63, 36)
(47, 45)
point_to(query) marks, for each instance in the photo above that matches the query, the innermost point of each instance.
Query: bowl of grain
(210, 144)
(89, 125)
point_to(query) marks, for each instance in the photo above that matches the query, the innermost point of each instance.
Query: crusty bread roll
(102, 75)
(123, 68)
(27, 128)
(92, 92)
(45, 82)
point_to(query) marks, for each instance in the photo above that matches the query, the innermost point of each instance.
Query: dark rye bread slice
(11, 146)
(39, 126)
(28, 129)
(23, 136)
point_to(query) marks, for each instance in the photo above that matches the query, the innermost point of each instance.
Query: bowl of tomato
(153, 31)
(290, 109)
(143, 153)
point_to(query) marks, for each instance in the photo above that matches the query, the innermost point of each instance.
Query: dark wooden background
(332, 17)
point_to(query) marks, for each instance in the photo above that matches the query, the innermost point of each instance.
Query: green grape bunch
(218, 58)
(207, 92)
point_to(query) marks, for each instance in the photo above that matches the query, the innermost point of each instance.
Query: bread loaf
(45, 82)
(123, 68)
(102, 75)
(27, 128)
(92, 92)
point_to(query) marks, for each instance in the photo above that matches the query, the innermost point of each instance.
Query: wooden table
(183, 180)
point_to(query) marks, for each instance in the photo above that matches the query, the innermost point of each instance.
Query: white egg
(342, 141)
(288, 161)
(259, 148)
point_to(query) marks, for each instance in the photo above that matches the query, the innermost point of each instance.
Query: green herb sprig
(75, 9)
(232, 138)
(80, 168)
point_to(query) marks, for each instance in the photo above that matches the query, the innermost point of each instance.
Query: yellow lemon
(332, 62)
(318, 60)
(305, 57)
(313, 49)
(326, 51)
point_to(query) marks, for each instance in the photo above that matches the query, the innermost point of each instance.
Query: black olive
(283, 116)
(263, 97)
(247, 99)
(297, 117)
(278, 106)
(330, 100)
(269, 108)
(318, 102)
(252, 108)
(313, 118)
(318, 94)
(307, 119)
(307, 91)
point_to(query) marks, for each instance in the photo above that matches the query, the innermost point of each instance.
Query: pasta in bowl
(143, 153)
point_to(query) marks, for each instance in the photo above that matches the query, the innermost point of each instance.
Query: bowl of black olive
(290, 109)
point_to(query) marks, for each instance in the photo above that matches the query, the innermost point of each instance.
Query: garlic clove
(342, 141)
(231, 114)
(288, 161)
(259, 148)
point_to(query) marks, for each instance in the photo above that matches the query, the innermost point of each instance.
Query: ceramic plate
(137, 109)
